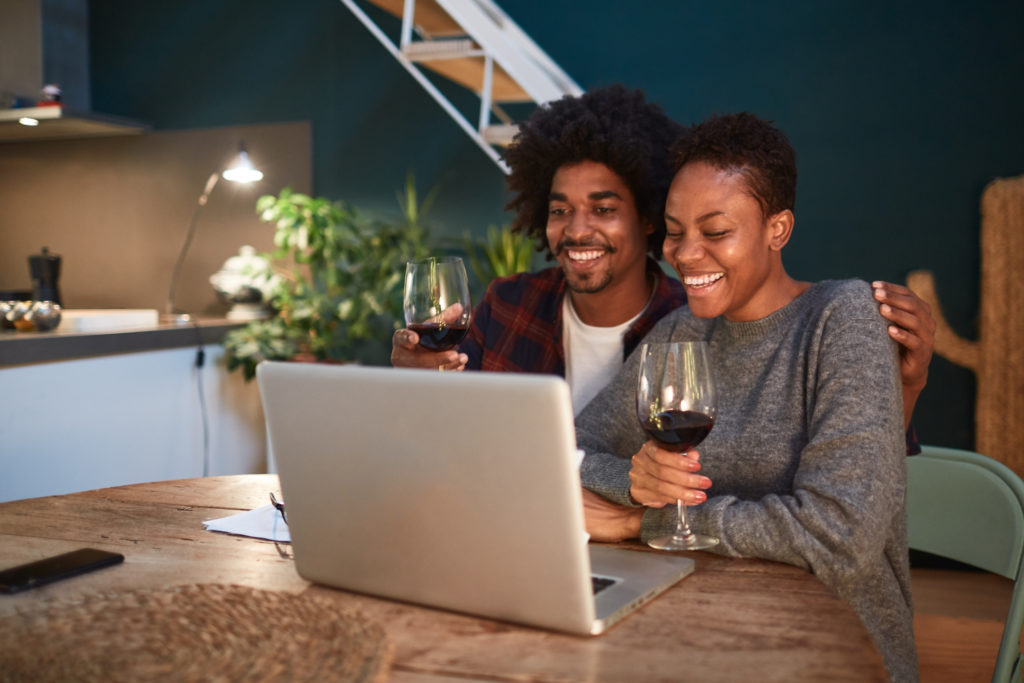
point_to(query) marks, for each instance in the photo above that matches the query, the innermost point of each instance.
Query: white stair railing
(473, 43)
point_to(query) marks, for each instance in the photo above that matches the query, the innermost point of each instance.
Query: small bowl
(44, 315)
(18, 316)
(5, 308)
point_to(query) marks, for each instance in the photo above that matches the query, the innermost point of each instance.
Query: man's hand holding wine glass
(407, 352)
(437, 309)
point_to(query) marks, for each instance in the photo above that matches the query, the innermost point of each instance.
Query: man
(590, 176)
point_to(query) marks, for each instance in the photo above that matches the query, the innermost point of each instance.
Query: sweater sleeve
(608, 429)
(850, 479)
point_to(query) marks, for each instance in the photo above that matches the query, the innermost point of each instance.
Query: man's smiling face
(594, 229)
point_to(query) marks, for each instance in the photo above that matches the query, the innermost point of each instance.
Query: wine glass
(675, 401)
(436, 301)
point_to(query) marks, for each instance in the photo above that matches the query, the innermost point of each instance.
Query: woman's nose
(688, 251)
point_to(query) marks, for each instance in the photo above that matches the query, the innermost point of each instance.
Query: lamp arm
(211, 182)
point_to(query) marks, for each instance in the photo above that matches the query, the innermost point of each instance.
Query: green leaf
(339, 292)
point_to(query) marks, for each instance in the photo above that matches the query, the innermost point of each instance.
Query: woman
(805, 463)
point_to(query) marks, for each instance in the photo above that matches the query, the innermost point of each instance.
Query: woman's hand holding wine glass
(676, 405)
(660, 476)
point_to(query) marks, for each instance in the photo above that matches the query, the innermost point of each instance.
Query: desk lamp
(240, 170)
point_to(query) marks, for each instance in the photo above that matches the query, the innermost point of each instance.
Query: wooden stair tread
(469, 73)
(466, 71)
(429, 16)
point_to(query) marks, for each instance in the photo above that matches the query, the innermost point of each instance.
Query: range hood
(47, 41)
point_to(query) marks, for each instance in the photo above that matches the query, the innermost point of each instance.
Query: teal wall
(901, 113)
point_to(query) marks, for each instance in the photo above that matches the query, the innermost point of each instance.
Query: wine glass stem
(682, 528)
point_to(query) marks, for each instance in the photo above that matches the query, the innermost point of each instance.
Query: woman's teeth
(702, 280)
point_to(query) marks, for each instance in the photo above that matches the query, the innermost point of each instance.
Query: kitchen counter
(17, 348)
(82, 410)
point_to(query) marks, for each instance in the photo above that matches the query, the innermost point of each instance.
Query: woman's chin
(703, 308)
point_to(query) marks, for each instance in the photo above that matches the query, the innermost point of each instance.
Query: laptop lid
(457, 490)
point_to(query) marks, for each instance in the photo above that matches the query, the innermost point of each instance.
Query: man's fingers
(452, 313)
(899, 317)
(911, 342)
(891, 287)
(455, 362)
(407, 353)
(904, 303)
(405, 338)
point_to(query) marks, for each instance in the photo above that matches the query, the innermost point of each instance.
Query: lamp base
(248, 312)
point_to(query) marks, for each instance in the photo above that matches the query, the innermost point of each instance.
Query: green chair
(970, 508)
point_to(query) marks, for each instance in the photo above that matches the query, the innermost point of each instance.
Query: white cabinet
(123, 418)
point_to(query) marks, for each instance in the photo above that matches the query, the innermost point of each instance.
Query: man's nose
(579, 224)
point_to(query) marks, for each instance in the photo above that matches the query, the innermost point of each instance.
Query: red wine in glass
(438, 337)
(436, 302)
(678, 430)
(676, 405)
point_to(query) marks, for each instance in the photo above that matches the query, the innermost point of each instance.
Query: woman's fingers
(659, 477)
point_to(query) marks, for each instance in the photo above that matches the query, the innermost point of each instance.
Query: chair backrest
(970, 508)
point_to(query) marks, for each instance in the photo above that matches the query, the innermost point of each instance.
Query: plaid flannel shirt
(518, 325)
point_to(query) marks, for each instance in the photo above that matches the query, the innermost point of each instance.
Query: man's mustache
(565, 243)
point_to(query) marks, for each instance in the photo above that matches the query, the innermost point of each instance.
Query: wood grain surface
(729, 621)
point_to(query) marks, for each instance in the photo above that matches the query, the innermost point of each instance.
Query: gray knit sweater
(806, 457)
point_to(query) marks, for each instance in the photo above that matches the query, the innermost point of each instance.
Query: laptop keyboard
(599, 583)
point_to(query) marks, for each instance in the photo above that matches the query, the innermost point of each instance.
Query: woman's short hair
(749, 145)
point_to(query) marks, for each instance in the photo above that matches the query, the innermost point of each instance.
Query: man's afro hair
(613, 126)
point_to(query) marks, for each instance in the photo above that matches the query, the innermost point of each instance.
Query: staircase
(475, 44)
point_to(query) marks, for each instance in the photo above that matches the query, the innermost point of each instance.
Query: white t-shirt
(592, 354)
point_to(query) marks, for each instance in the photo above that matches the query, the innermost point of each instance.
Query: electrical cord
(199, 364)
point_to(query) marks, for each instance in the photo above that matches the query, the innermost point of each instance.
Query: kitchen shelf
(58, 122)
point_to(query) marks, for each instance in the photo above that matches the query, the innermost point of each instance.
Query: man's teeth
(585, 255)
(702, 280)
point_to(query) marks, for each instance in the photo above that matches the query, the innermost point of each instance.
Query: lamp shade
(241, 169)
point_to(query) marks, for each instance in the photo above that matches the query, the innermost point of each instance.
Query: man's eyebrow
(593, 196)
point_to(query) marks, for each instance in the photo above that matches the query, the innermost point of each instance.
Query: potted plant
(339, 293)
(504, 252)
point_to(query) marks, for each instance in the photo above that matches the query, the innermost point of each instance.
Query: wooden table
(732, 620)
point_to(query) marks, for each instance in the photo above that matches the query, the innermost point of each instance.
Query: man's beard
(587, 283)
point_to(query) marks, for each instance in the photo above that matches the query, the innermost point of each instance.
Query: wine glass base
(677, 542)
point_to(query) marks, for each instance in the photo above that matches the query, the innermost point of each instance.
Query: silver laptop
(455, 490)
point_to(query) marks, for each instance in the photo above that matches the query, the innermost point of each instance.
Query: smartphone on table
(50, 569)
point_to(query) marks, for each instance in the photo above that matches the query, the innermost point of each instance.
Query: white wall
(122, 419)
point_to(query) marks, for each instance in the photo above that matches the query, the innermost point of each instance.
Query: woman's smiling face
(726, 252)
